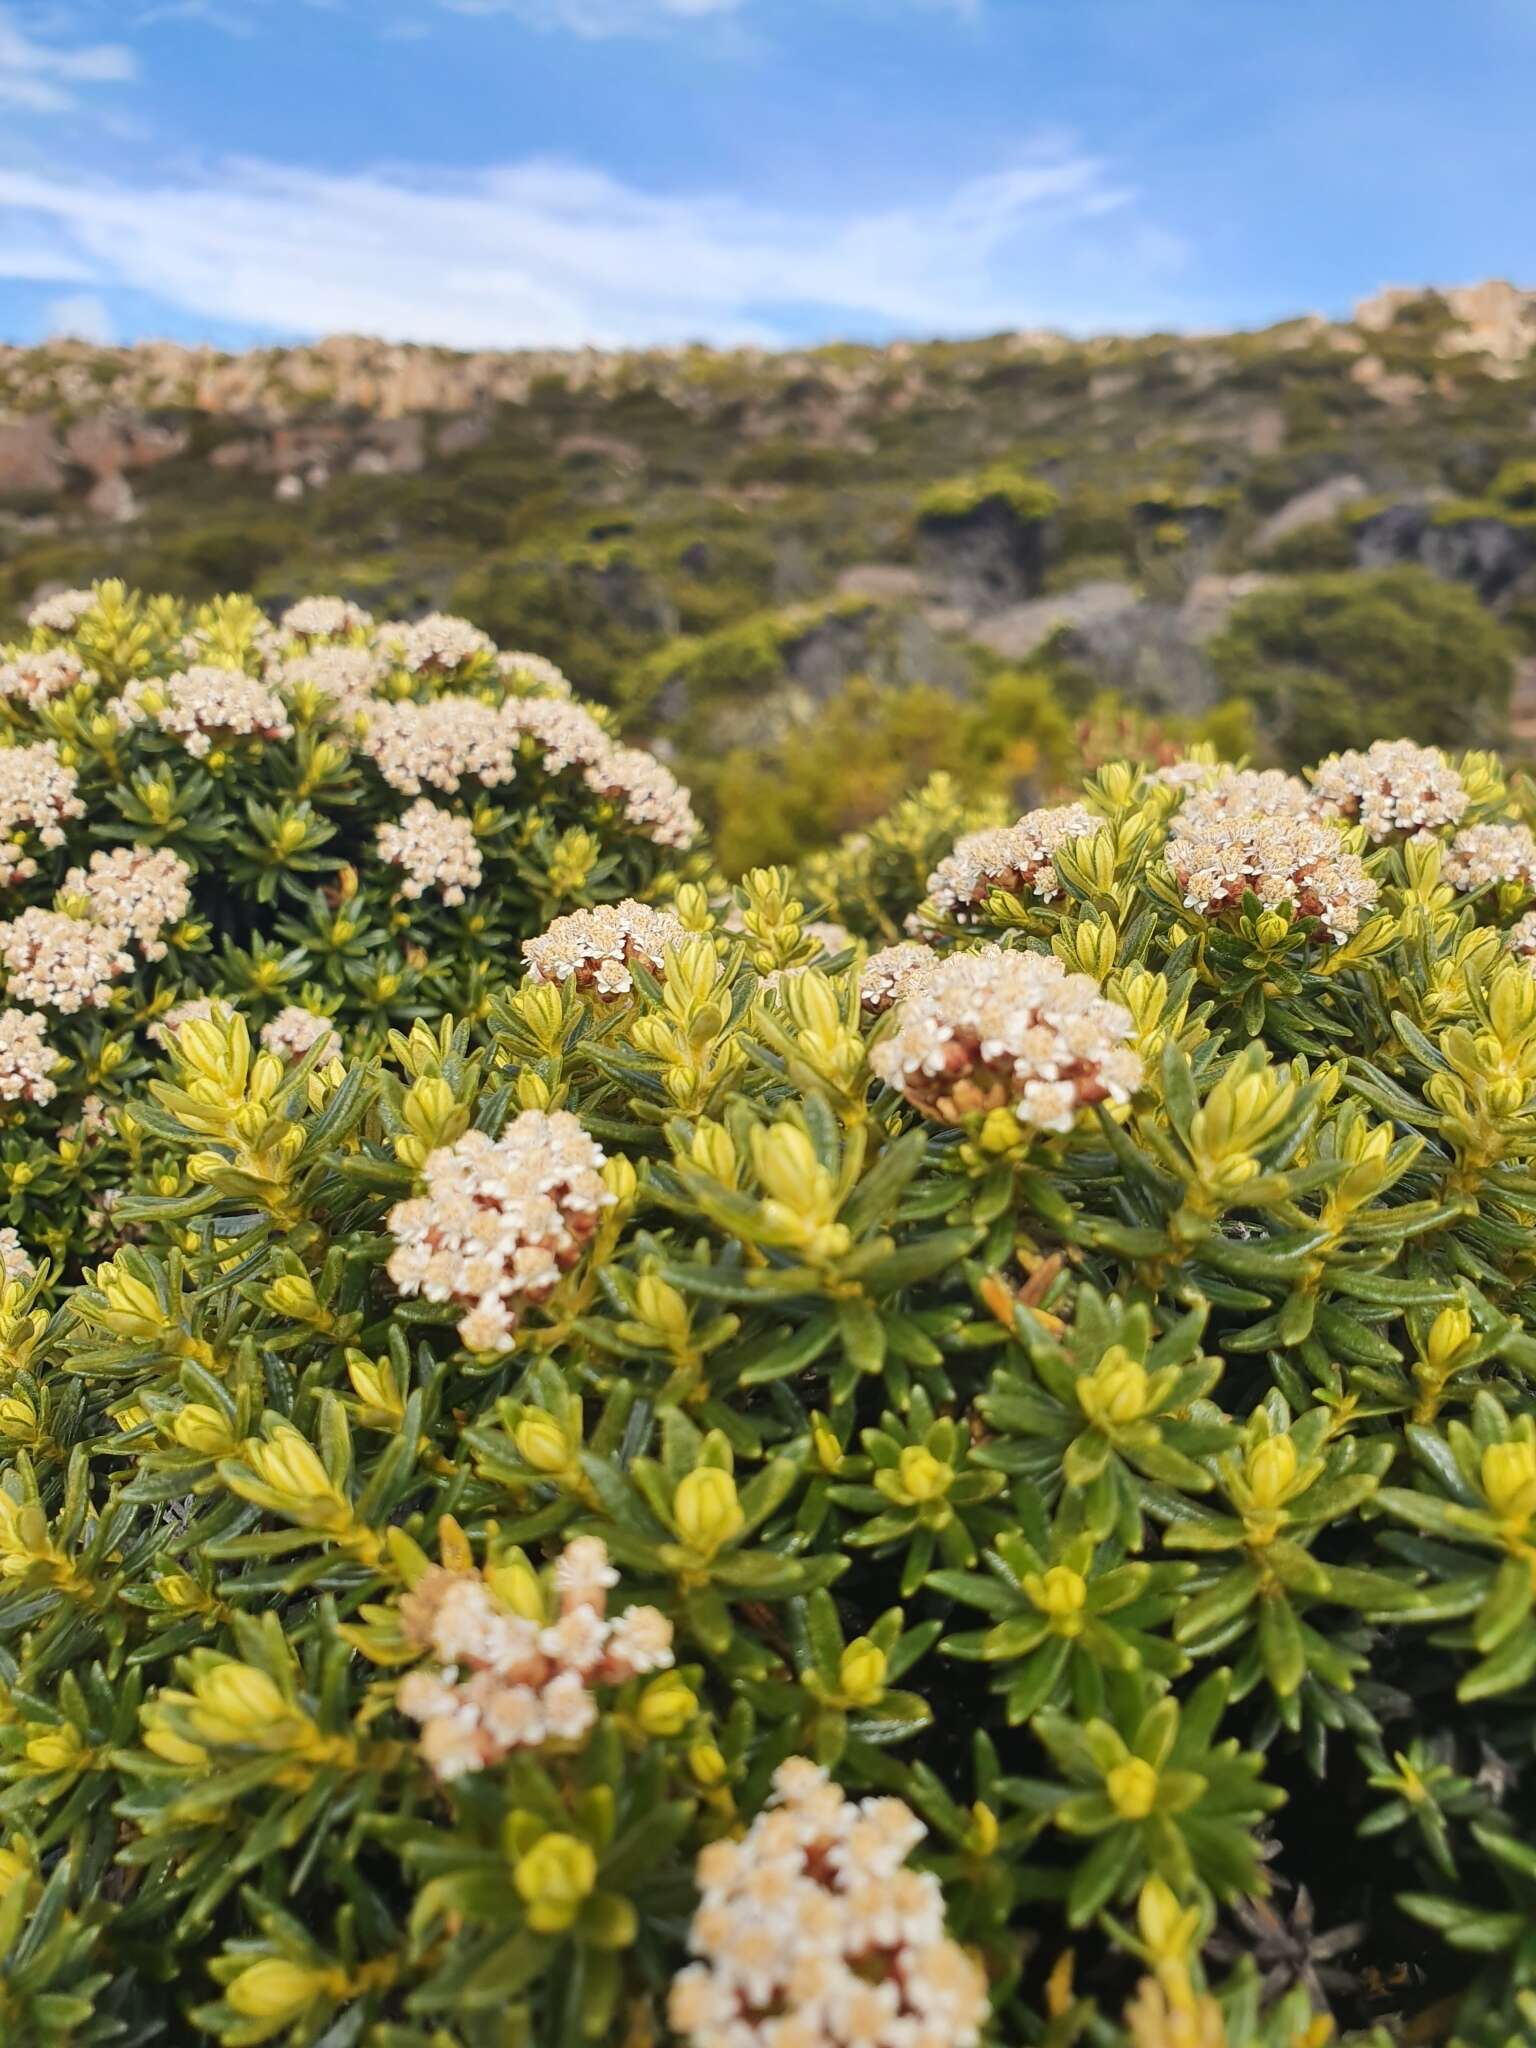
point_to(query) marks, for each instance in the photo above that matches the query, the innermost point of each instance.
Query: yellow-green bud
(1509, 1477)
(553, 1879)
(202, 1428)
(1132, 1788)
(861, 1673)
(1450, 1330)
(276, 1990)
(706, 1509)
(541, 1442)
(293, 1294)
(1115, 1392)
(1271, 1469)
(923, 1476)
(667, 1705)
(1060, 1593)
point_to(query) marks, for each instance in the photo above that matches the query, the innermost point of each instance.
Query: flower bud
(516, 1584)
(1062, 1594)
(276, 1990)
(1115, 1392)
(541, 1443)
(293, 1295)
(707, 1764)
(202, 1428)
(1509, 1477)
(706, 1510)
(1271, 1469)
(861, 1673)
(923, 1476)
(1132, 1788)
(667, 1705)
(55, 1749)
(661, 1306)
(1450, 1330)
(553, 1878)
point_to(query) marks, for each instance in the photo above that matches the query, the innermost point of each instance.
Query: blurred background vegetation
(812, 581)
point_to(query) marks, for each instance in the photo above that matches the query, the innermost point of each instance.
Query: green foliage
(850, 762)
(281, 894)
(1334, 661)
(728, 1345)
(1029, 500)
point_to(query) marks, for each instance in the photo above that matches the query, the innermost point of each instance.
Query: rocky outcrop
(1316, 507)
(1019, 631)
(1495, 319)
(983, 560)
(1477, 546)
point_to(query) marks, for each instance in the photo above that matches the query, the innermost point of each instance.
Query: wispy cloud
(41, 69)
(80, 315)
(233, 23)
(597, 19)
(546, 253)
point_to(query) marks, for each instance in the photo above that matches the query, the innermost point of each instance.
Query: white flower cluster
(324, 618)
(294, 1030)
(530, 1681)
(1480, 854)
(1015, 857)
(533, 672)
(437, 850)
(1218, 857)
(60, 962)
(440, 743)
(37, 794)
(1522, 936)
(27, 1060)
(894, 972)
(1187, 775)
(343, 678)
(595, 948)
(565, 734)
(15, 1262)
(832, 938)
(436, 644)
(1393, 786)
(500, 1221)
(204, 704)
(653, 799)
(811, 1932)
(62, 612)
(1245, 793)
(33, 678)
(996, 1029)
(137, 891)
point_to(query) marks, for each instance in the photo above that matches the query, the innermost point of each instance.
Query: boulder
(983, 560)
(1315, 507)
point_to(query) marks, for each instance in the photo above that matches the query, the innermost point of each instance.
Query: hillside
(836, 569)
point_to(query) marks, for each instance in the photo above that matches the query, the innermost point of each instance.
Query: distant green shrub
(1334, 660)
(1026, 497)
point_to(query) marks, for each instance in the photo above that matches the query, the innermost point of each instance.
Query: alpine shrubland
(935, 1450)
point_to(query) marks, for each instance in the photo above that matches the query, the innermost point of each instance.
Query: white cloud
(595, 19)
(39, 72)
(82, 316)
(546, 253)
(232, 23)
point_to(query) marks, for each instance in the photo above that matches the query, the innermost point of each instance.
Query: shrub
(335, 823)
(950, 1489)
(1025, 497)
(1329, 661)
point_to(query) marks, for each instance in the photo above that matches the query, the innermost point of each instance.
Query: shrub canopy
(754, 1492)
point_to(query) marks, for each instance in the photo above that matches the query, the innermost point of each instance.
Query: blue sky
(485, 173)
